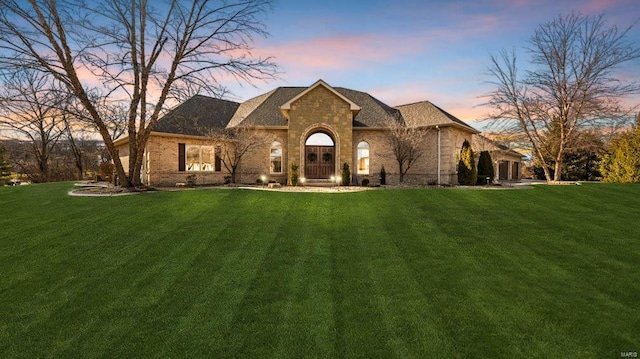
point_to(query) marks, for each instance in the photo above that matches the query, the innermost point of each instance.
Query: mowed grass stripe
(207, 298)
(445, 266)
(279, 303)
(496, 253)
(547, 272)
(360, 320)
(413, 324)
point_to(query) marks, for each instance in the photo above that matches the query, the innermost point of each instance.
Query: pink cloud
(342, 52)
(596, 6)
(464, 106)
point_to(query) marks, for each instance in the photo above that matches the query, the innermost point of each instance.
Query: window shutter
(218, 159)
(181, 157)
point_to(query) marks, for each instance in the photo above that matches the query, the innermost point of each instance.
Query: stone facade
(320, 110)
(287, 123)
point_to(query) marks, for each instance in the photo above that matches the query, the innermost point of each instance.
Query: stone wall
(320, 110)
(425, 170)
(161, 161)
(256, 163)
(161, 157)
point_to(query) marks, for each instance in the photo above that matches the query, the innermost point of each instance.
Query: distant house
(507, 163)
(318, 128)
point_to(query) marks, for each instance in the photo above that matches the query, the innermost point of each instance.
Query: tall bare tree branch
(406, 145)
(574, 84)
(138, 51)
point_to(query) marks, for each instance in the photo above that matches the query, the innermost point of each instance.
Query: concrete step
(319, 183)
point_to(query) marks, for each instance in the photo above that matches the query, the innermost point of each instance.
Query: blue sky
(405, 51)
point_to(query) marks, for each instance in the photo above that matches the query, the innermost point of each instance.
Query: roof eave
(452, 124)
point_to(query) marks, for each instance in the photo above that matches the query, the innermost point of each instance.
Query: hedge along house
(318, 128)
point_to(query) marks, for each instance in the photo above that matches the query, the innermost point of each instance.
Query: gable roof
(426, 114)
(197, 115)
(374, 113)
(264, 110)
(287, 105)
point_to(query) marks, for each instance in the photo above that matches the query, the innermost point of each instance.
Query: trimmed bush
(365, 182)
(191, 180)
(346, 174)
(293, 174)
(383, 176)
(485, 168)
(467, 174)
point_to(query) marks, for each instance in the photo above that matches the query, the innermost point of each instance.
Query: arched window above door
(319, 139)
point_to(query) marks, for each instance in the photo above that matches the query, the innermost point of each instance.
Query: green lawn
(548, 272)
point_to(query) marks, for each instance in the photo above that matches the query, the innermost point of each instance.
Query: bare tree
(79, 144)
(572, 85)
(30, 110)
(406, 144)
(137, 51)
(114, 114)
(233, 143)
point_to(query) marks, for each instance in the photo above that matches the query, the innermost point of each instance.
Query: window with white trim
(363, 158)
(275, 157)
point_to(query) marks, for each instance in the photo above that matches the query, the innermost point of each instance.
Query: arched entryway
(319, 156)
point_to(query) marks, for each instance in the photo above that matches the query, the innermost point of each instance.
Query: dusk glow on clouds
(406, 51)
(338, 52)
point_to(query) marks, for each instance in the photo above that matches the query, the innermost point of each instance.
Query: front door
(319, 162)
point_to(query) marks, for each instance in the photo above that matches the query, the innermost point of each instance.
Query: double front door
(319, 162)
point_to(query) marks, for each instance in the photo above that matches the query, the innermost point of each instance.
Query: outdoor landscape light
(264, 179)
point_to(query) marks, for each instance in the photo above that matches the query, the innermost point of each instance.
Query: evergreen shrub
(467, 174)
(293, 174)
(346, 174)
(485, 168)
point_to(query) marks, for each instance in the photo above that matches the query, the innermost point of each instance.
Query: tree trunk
(545, 168)
(233, 175)
(44, 169)
(77, 153)
(557, 176)
(42, 156)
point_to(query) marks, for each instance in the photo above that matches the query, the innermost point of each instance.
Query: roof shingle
(426, 114)
(201, 113)
(197, 116)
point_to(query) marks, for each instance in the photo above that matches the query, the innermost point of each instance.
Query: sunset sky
(404, 51)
